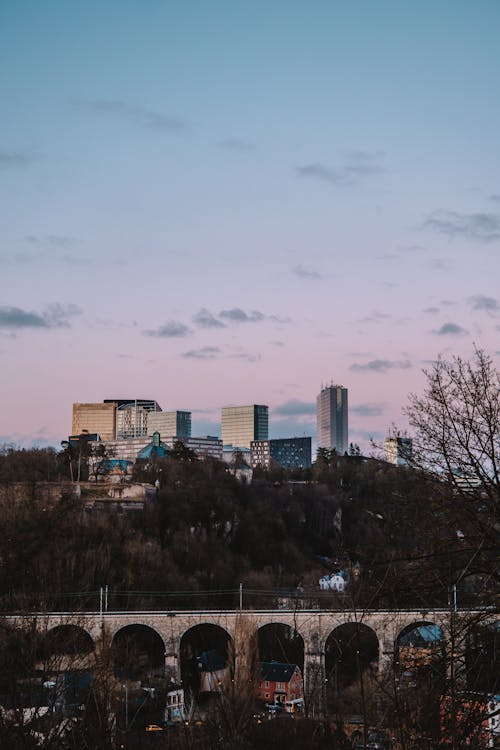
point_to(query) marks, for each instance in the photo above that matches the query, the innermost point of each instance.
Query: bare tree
(456, 424)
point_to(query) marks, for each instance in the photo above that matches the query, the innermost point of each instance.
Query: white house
(332, 582)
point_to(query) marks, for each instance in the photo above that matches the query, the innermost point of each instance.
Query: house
(279, 683)
(472, 717)
(174, 705)
(333, 582)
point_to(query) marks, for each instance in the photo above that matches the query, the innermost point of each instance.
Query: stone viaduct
(313, 625)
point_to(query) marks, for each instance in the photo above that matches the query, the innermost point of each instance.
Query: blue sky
(229, 202)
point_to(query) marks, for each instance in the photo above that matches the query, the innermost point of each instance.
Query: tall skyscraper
(331, 418)
(242, 424)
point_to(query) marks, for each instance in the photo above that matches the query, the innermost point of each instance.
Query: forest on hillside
(401, 536)
(204, 531)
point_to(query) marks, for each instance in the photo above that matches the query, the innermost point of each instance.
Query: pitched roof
(276, 671)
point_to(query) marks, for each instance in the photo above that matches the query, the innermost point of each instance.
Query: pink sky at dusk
(232, 207)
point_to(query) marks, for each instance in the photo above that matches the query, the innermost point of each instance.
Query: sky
(228, 202)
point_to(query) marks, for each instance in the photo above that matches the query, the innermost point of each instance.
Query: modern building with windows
(97, 419)
(136, 447)
(242, 424)
(331, 418)
(132, 416)
(176, 423)
(398, 450)
(121, 419)
(289, 453)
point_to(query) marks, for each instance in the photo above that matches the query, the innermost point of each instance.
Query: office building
(242, 424)
(204, 447)
(132, 416)
(398, 450)
(169, 423)
(331, 418)
(97, 419)
(289, 453)
(130, 448)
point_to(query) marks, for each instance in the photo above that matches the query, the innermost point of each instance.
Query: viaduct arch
(313, 626)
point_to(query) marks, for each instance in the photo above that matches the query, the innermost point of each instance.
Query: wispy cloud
(440, 264)
(244, 355)
(295, 408)
(431, 310)
(411, 249)
(11, 158)
(51, 248)
(205, 319)
(450, 329)
(54, 316)
(351, 169)
(381, 365)
(375, 317)
(306, 273)
(139, 116)
(494, 198)
(22, 257)
(368, 410)
(482, 302)
(215, 352)
(237, 315)
(206, 352)
(239, 145)
(480, 227)
(53, 240)
(171, 329)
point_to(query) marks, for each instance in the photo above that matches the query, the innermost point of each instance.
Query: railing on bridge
(106, 599)
(109, 600)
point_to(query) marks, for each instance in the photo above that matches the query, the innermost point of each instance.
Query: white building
(398, 450)
(332, 582)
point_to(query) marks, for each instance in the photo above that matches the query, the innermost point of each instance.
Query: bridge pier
(314, 683)
(172, 668)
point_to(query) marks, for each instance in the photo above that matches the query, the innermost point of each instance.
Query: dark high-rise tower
(331, 418)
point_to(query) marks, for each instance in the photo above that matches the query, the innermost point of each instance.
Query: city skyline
(233, 204)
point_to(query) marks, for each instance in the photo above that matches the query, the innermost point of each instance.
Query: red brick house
(278, 683)
(473, 719)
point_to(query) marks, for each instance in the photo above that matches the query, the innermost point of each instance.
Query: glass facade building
(242, 424)
(132, 416)
(94, 418)
(289, 453)
(331, 418)
(170, 423)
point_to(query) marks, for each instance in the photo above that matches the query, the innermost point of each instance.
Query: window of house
(266, 684)
(266, 695)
